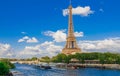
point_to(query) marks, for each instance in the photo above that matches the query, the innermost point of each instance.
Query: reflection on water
(29, 70)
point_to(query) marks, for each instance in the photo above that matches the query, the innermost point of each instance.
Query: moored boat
(43, 66)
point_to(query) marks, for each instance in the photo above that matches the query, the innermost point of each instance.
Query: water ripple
(29, 70)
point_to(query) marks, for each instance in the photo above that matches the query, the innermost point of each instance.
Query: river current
(30, 70)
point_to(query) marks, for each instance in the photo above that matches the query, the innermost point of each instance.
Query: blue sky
(34, 17)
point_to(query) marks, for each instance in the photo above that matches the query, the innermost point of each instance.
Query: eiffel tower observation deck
(71, 46)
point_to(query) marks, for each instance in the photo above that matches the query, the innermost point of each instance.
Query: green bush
(11, 66)
(4, 69)
(8, 63)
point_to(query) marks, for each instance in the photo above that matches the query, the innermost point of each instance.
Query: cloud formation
(79, 34)
(5, 50)
(43, 49)
(82, 11)
(28, 39)
(60, 35)
(106, 45)
(4, 47)
(51, 48)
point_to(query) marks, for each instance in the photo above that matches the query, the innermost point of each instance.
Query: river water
(30, 70)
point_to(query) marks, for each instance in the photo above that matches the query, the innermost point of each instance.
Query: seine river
(29, 70)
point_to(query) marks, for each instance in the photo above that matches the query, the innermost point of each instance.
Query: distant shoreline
(76, 65)
(103, 66)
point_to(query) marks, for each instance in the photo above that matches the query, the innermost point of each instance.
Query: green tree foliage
(4, 69)
(34, 58)
(118, 59)
(45, 59)
(104, 58)
(78, 56)
(8, 63)
(54, 59)
(62, 58)
(69, 57)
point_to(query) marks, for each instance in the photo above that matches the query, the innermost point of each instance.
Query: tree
(83, 58)
(67, 58)
(45, 59)
(8, 63)
(102, 59)
(109, 58)
(61, 58)
(118, 59)
(34, 58)
(54, 59)
(4, 69)
(77, 56)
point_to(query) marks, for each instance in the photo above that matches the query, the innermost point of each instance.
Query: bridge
(26, 62)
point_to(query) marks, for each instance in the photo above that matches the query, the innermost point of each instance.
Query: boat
(43, 66)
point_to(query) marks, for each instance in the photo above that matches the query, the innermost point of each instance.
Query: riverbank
(103, 66)
(79, 65)
(76, 65)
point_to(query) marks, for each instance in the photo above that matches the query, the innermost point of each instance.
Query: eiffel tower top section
(70, 25)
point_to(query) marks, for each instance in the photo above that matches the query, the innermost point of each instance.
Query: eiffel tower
(71, 46)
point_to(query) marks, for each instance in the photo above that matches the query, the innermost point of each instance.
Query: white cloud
(9, 55)
(59, 36)
(50, 48)
(32, 40)
(4, 47)
(49, 33)
(106, 45)
(44, 49)
(5, 50)
(83, 11)
(79, 34)
(46, 43)
(21, 40)
(28, 39)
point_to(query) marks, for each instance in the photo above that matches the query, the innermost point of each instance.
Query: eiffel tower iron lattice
(71, 46)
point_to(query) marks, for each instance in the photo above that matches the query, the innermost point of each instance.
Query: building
(71, 46)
